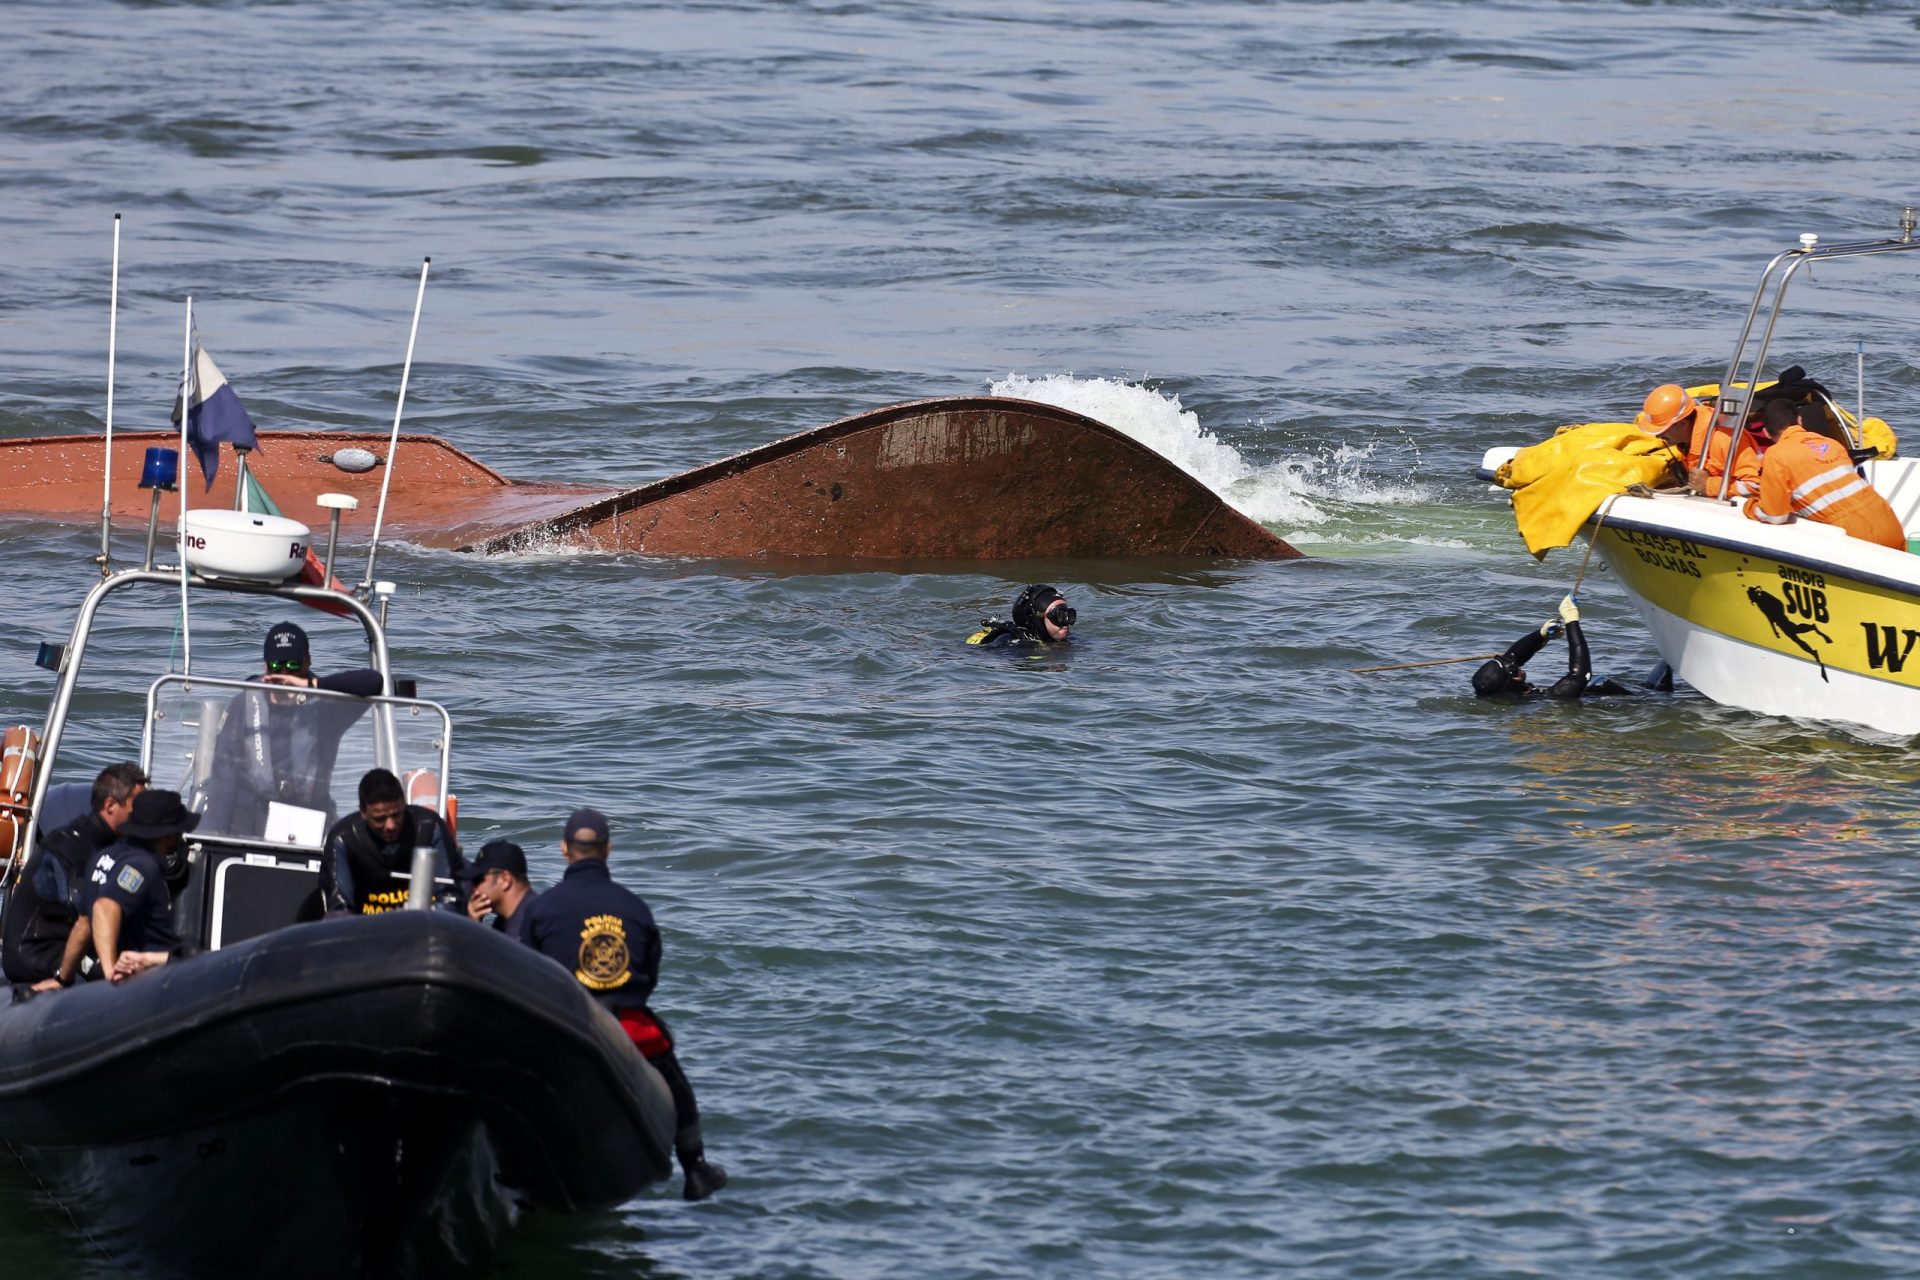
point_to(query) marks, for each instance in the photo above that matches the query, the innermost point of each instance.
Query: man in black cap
(277, 747)
(125, 900)
(41, 909)
(498, 876)
(367, 865)
(1040, 616)
(605, 936)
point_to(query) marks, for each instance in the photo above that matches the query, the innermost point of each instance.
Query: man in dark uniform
(126, 898)
(368, 861)
(273, 746)
(498, 876)
(41, 910)
(605, 936)
(1506, 676)
(1040, 616)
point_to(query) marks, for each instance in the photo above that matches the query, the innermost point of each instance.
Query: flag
(215, 414)
(254, 497)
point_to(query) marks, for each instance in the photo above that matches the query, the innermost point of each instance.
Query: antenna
(393, 441)
(186, 416)
(113, 331)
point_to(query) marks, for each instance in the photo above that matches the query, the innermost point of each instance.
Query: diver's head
(1043, 612)
(1497, 677)
(383, 805)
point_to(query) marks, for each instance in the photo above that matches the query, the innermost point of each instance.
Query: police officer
(1041, 615)
(41, 909)
(125, 899)
(605, 936)
(368, 861)
(498, 876)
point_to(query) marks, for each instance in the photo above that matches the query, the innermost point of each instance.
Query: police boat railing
(73, 657)
(1743, 376)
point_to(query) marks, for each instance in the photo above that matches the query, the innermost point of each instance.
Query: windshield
(270, 763)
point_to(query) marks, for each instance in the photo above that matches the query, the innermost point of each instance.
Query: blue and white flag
(216, 414)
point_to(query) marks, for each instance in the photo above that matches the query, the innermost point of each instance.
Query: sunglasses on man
(285, 668)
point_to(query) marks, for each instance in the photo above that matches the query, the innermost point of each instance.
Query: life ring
(19, 757)
(423, 788)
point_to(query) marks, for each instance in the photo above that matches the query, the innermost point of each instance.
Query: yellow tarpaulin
(1558, 484)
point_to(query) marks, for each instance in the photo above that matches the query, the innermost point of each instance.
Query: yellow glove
(1569, 610)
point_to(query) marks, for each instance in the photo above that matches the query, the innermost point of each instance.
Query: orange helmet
(1665, 405)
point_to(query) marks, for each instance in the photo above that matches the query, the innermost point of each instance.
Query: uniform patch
(129, 880)
(605, 963)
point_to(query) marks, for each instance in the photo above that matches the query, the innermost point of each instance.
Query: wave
(1310, 488)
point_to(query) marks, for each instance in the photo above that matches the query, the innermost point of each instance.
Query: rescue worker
(271, 747)
(1506, 676)
(42, 909)
(1040, 616)
(125, 899)
(1687, 424)
(1811, 476)
(367, 865)
(605, 936)
(498, 876)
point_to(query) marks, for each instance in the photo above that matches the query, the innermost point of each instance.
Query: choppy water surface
(1184, 952)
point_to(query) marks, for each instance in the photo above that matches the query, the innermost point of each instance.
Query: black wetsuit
(357, 871)
(1504, 676)
(33, 936)
(999, 631)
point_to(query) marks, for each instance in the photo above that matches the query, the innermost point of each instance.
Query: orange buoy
(19, 756)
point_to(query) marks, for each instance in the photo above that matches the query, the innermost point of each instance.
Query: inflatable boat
(295, 1097)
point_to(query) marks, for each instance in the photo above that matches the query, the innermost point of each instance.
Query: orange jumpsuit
(1746, 465)
(1810, 476)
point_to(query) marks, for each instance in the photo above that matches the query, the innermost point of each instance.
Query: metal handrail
(83, 623)
(1731, 404)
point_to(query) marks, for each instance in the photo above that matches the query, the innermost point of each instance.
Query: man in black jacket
(368, 861)
(275, 746)
(604, 935)
(41, 909)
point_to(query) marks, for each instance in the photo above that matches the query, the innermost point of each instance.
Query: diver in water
(1040, 616)
(1506, 676)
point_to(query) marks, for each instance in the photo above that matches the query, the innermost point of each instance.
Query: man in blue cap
(499, 887)
(275, 747)
(605, 936)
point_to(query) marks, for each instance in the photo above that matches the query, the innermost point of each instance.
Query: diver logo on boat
(604, 961)
(1775, 611)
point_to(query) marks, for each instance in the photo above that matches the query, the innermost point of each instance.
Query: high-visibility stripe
(1824, 478)
(1758, 514)
(1828, 499)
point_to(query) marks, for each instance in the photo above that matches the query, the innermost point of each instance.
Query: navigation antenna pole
(393, 441)
(113, 331)
(186, 483)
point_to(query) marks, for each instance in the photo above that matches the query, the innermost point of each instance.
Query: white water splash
(1301, 490)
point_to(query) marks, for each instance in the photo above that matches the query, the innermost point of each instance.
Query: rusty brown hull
(437, 491)
(973, 478)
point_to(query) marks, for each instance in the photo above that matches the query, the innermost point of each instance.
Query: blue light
(162, 469)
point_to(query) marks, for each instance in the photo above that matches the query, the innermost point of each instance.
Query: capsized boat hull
(1796, 620)
(362, 1096)
(965, 478)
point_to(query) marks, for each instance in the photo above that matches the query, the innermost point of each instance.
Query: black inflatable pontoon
(353, 1097)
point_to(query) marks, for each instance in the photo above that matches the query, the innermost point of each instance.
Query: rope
(1599, 519)
(1431, 662)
